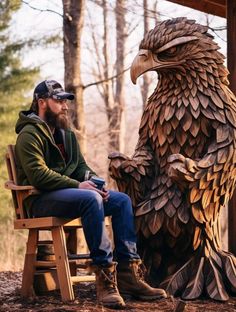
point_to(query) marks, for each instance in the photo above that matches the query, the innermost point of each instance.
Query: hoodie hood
(27, 117)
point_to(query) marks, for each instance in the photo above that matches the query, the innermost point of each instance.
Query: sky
(31, 23)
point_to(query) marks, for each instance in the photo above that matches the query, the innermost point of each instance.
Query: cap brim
(63, 96)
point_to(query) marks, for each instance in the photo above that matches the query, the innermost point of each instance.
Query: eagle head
(176, 45)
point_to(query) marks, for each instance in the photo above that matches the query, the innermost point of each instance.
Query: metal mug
(100, 182)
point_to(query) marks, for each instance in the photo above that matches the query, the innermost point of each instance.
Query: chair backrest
(18, 194)
(11, 163)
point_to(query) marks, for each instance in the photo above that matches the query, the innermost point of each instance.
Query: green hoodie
(40, 162)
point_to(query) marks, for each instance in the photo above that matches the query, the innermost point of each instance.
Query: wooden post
(231, 54)
(214, 7)
(63, 269)
(27, 289)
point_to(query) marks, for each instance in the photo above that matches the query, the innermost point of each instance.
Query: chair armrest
(10, 185)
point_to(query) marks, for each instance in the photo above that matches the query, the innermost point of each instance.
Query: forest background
(88, 46)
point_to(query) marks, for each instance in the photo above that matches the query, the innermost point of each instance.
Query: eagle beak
(142, 63)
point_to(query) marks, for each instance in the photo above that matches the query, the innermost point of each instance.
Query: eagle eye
(166, 54)
(171, 50)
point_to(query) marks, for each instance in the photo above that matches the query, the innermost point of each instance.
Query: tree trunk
(73, 21)
(146, 81)
(148, 14)
(107, 85)
(113, 99)
(114, 104)
(117, 122)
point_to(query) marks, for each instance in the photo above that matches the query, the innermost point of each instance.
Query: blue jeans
(89, 205)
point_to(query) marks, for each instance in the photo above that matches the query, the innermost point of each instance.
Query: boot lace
(140, 272)
(109, 279)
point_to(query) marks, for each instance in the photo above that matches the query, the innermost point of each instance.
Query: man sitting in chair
(49, 158)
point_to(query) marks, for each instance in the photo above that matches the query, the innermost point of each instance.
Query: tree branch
(104, 80)
(214, 30)
(40, 10)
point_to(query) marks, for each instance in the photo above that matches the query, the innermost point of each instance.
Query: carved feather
(214, 283)
(195, 286)
(179, 280)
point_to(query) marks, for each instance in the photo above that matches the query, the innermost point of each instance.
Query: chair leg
(27, 289)
(63, 270)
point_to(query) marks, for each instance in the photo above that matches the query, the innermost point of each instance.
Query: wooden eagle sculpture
(183, 170)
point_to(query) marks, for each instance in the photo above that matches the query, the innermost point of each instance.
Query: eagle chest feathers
(179, 127)
(175, 126)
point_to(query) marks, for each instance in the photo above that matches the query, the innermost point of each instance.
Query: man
(49, 158)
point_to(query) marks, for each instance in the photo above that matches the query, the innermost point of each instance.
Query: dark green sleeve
(81, 168)
(29, 152)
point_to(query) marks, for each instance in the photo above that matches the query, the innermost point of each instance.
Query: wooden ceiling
(214, 7)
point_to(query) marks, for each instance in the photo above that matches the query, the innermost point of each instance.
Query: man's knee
(124, 203)
(95, 200)
(125, 199)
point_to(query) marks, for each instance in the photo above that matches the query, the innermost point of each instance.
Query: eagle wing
(211, 179)
(134, 175)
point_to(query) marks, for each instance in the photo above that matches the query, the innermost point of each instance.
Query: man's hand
(106, 194)
(89, 185)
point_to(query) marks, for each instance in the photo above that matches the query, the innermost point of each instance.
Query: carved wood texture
(183, 169)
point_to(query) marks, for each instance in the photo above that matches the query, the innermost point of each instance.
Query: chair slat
(19, 193)
(12, 157)
(10, 175)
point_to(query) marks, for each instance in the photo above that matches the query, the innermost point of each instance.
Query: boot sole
(112, 305)
(144, 298)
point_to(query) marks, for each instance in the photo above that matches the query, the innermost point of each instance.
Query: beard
(60, 120)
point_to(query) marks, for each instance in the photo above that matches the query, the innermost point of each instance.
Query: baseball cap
(51, 89)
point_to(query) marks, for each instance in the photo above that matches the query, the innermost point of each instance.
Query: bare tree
(114, 101)
(73, 22)
(107, 84)
(111, 78)
(149, 13)
(145, 84)
(117, 120)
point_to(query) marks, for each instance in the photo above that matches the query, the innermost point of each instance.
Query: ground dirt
(10, 300)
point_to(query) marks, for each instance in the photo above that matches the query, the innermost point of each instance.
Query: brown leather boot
(131, 282)
(106, 284)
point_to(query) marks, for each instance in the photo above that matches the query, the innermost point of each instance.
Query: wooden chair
(57, 227)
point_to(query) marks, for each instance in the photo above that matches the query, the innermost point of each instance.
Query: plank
(214, 7)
